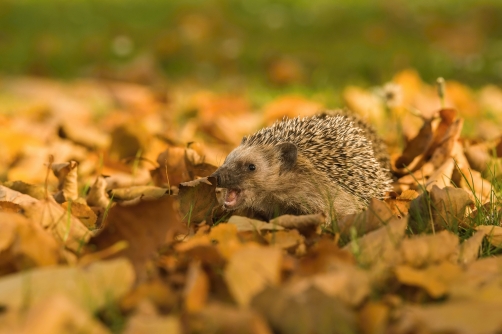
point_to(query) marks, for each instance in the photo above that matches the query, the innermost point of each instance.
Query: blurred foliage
(285, 42)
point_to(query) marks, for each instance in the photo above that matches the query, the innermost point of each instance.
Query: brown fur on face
(282, 182)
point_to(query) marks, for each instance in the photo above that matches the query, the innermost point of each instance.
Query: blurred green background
(306, 43)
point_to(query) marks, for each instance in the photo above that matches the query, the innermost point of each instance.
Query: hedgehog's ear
(288, 155)
(244, 139)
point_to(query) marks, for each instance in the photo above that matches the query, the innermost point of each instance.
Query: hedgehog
(329, 163)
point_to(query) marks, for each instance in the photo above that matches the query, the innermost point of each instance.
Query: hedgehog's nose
(217, 176)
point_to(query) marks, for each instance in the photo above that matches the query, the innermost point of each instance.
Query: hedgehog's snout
(225, 178)
(217, 176)
(222, 177)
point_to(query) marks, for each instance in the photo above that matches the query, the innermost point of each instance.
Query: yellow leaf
(90, 288)
(60, 314)
(196, 288)
(424, 249)
(373, 318)
(493, 234)
(22, 242)
(250, 270)
(434, 279)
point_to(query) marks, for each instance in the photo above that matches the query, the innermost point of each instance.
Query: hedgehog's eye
(251, 167)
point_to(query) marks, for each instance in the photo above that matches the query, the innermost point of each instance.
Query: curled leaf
(197, 200)
(439, 208)
(97, 193)
(67, 176)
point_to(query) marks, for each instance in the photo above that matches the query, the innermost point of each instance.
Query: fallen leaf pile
(109, 221)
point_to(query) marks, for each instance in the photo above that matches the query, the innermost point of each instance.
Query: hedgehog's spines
(342, 147)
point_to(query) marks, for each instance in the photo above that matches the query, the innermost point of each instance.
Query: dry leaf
(84, 135)
(32, 166)
(426, 249)
(196, 288)
(103, 254)
(37, 192)
(223, 233)
(448, 117)
(17, 142)
(478, 156)
(348, 283)
(309, 311)
(446, 207)
(492, 233)
(153, 324)
(10, 207)
(445, 145)
(178, 165)
(63, 225)
(473, 182)
(303, 222)
(416, 146)
(156, 291)
(128, 139)
(197, 200)
(463, 317)
(225, 319)
(172, 169)
(214, 256)
(442, 176)
(193, 242)
(459, 157)
(9, 195)
(479, 274)
(377, 214)
(24, 244)
(379, 245)
(196, 166)
(145, 226)
(82, 212)
(66, 173)
(250, 270)
(401, 204)
(479, 283)
(435, 279)
(135, 192)
(60, 314)
(51, 216)
(247, 224)
(226, 237)
(287, 240)
(324, 257)
(97, 194)
(469, 249)
(373, 318)
(90, 288)
(139, 177)
(417, 177)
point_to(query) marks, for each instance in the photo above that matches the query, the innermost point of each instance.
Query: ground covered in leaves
(110, 223)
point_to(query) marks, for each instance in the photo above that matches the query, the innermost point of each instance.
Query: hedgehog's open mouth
(231, 198)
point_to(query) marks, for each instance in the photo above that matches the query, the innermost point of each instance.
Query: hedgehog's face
(250, 172)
